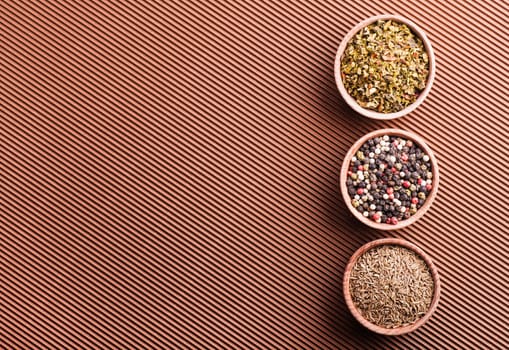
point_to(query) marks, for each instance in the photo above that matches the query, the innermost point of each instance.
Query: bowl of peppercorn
(389, 178)
(385, 67)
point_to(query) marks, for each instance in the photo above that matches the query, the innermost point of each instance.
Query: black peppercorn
(395, 175)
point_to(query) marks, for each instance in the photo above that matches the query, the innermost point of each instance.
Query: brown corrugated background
(168, 174)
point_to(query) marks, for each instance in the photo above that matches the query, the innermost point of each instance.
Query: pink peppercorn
(428, 187)
(419, 182)
(404, 157)
(406, 184)
(360, 191)
(415, 200)
(360, 167)
(390, 190)
(394, 221)
(376, 216)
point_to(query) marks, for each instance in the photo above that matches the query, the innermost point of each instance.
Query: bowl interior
(356, 313)
(427, 203)
(351, 101)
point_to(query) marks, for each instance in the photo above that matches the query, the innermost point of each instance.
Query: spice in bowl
(385, 66)
(389, 179)
(391, 286)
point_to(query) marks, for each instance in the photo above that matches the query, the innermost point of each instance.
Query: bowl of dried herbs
(391, 286)
(385, 67)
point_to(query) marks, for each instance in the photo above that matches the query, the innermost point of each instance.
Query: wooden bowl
(351, 101)
(356, 313)
(346, 164)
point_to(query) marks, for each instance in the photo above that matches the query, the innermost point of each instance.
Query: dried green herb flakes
(385, 66)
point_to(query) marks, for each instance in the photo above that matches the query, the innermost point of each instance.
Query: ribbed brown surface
(168, 174)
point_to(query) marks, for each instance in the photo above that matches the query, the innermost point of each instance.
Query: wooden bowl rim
(351, 101)
(356, 313)
(346, 164)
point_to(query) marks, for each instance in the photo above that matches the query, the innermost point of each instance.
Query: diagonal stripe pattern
(168, 174)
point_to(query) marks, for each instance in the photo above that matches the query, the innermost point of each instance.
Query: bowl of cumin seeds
(385, 67)
(391, 286)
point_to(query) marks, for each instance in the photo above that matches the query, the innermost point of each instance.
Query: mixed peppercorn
(389, 179)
